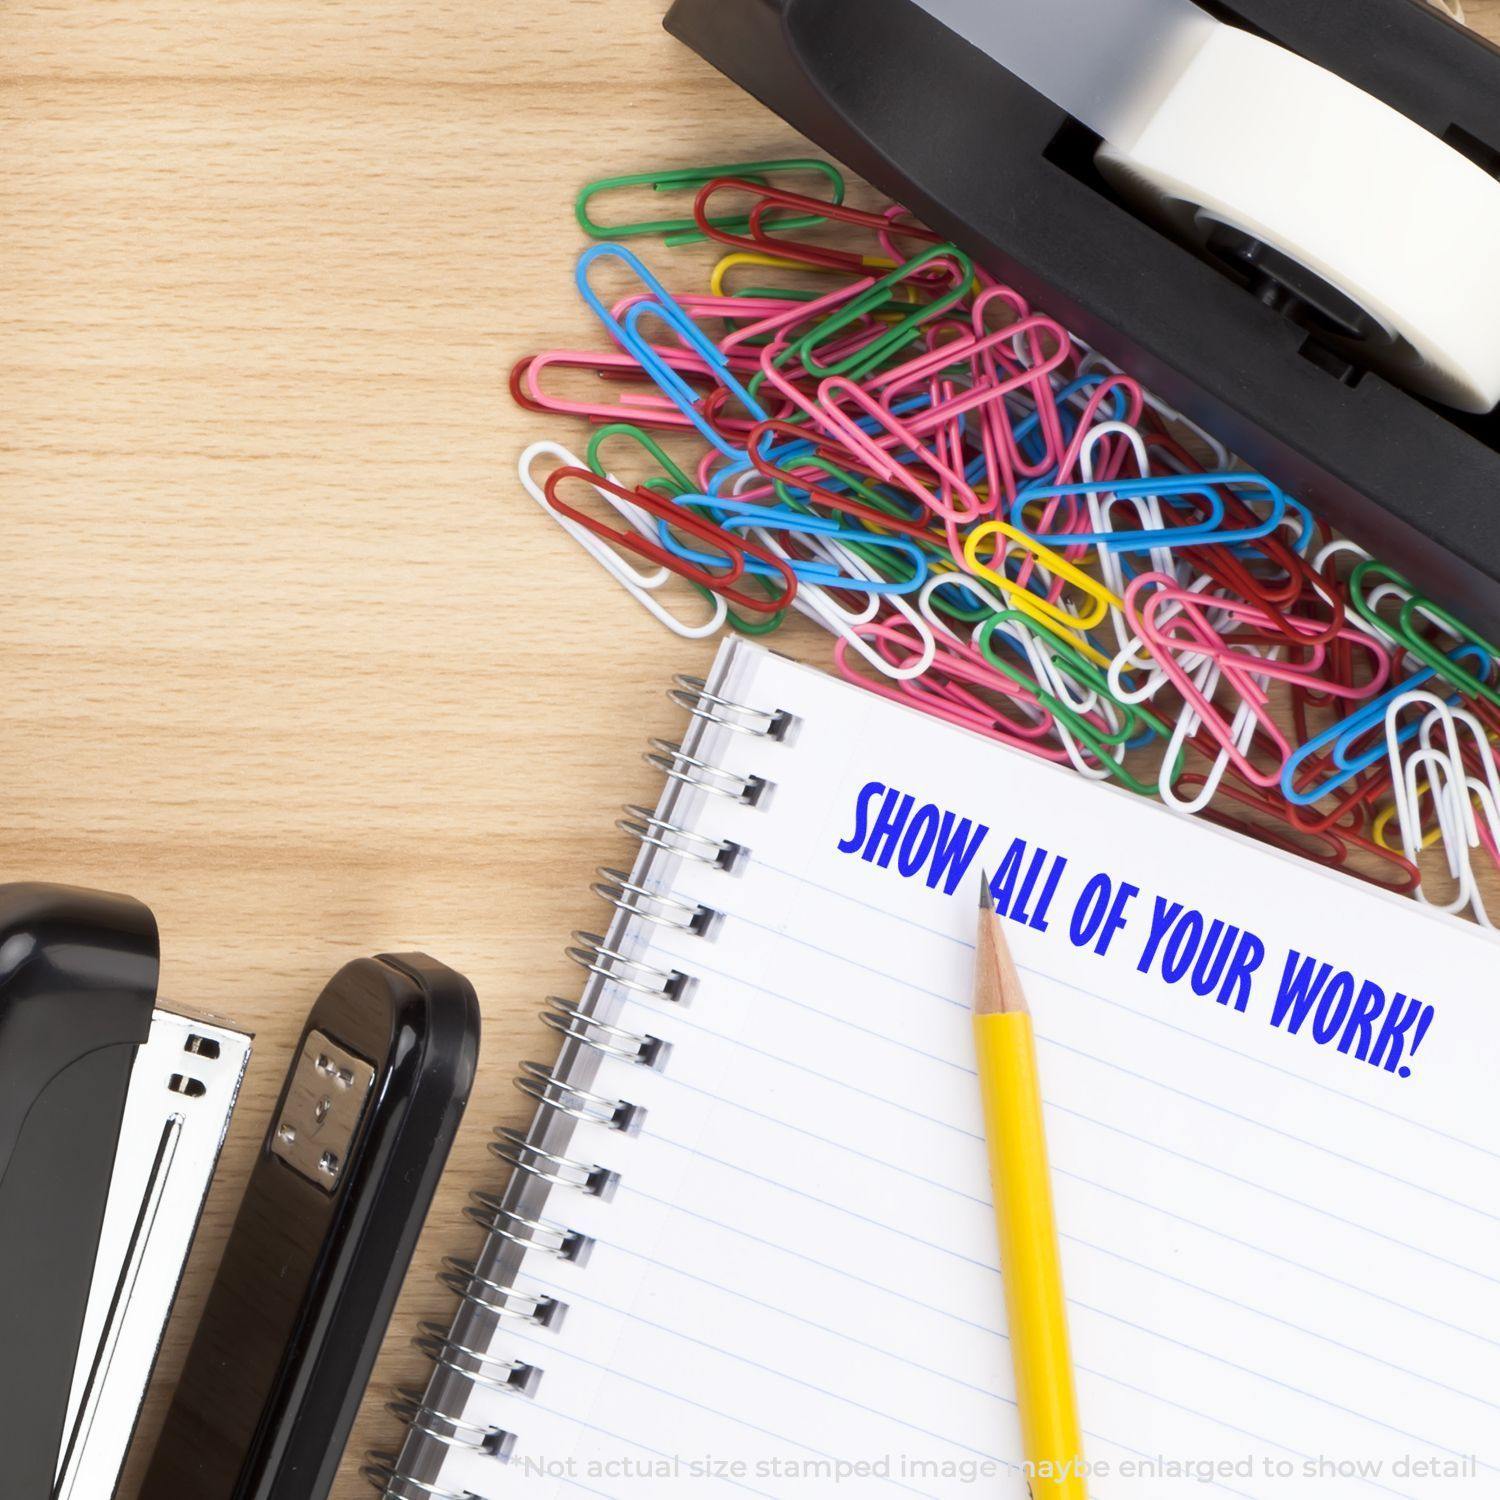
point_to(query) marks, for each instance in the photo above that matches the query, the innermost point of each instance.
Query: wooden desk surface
(287, 654)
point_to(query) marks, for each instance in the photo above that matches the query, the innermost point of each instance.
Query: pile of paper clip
(1000, 528)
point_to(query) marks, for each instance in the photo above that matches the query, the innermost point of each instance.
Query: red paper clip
(736, 549)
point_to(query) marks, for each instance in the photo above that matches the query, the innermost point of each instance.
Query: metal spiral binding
(506, 1377)
(692, 694)
(380, 1470)
(462, 1276)
(486, 1210)
(480, 1368)
(451, 1432)
(551, 1092)
(568, 1019)
(657, 833)
(660, 910)
(676, 764)
(558, 1171)
(591, 952)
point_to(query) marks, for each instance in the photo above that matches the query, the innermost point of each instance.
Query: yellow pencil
(1030, 1264)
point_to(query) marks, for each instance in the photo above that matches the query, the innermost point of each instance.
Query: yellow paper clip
(1055, 617)
(738, 258)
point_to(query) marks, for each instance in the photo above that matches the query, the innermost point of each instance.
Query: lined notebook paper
(1279, 1198)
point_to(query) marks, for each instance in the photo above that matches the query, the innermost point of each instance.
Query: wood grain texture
(287, 654)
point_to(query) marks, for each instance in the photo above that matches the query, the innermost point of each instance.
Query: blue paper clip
(1165, 488)
(735, 515)
(1347, 732)
(628, 337)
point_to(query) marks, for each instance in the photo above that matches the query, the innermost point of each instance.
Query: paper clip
(1163, 488)
(882, 460)
(734, 515)
(766, 202)
(1205, 638)
(1108, 742)
(1167, 417)
(1441, 774)
(624, 332)
(863, 501)
(1242, 730)
(1194, 641)
(718, 281)
(1044, 609)
(621, 370)
(685, 231)
(669, 471)
(982, 387)
(956, 270)
(637, 583)
(734, 555)
(821, 606)
(897, 448)
(1340, 740)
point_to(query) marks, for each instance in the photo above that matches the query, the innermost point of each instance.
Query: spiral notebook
(748, 1246)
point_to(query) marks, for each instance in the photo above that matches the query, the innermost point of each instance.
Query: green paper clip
(685, 231)
(1405, 632)
(1073, 665)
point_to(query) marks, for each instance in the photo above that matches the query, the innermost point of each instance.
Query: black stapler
(323, 1237)
(111, 1118)
(78, 977)
(1248, 345)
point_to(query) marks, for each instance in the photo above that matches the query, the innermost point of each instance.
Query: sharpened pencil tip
(997, 985)
(984, 890)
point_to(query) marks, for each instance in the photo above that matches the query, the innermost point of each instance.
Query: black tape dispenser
(1281, 216)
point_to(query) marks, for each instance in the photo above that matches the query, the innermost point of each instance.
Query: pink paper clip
(838, 389)
(1307, 673)
(645, 407)
(1243, 686)
(946, 690)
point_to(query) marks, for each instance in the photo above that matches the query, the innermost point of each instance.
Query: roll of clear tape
(1207, 126)
(1107, 62)
(1254, 138)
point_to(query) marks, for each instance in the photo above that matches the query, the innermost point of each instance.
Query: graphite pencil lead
(997, 984)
